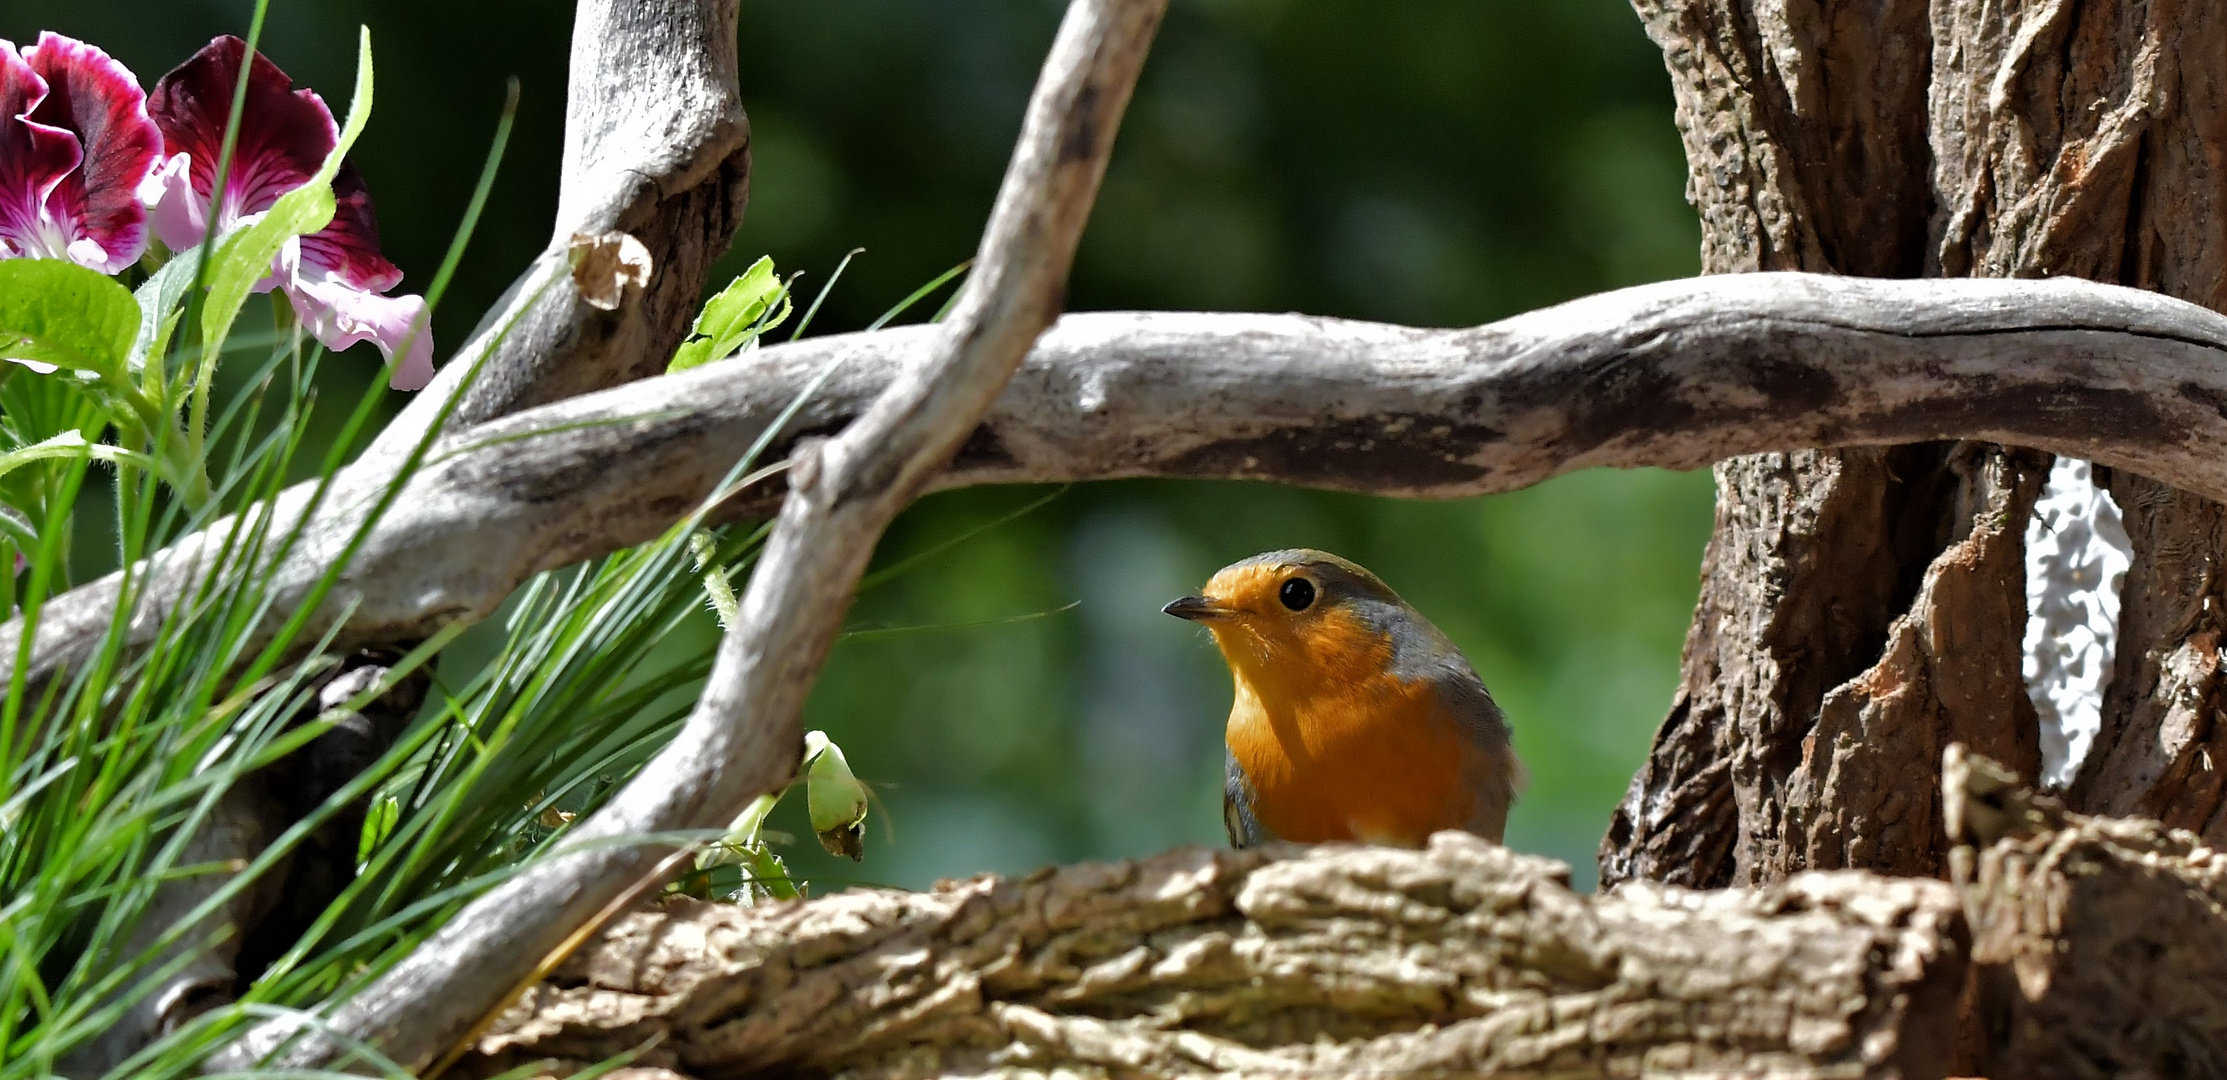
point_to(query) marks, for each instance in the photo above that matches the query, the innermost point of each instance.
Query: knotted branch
(656, 146)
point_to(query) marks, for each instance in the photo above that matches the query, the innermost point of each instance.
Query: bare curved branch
(1676, 375)
(744, 738)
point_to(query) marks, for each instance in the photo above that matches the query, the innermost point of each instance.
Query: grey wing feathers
(1495, 776)
(1421, 651)
(1237, 806)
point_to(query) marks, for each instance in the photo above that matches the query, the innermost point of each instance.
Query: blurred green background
(1440, 162)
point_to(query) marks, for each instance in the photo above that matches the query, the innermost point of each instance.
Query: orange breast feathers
(1336, 747)
(1354, 718)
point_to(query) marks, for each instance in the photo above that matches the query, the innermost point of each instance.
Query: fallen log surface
(1331, 961)
(2099, 944)
(2068, 946)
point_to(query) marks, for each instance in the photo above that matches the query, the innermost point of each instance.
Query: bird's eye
(1297, 593)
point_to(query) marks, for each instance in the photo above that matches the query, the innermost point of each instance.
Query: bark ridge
(1336, 961)
(1956, 138)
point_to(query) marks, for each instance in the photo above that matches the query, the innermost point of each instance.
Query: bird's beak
(1196, 609)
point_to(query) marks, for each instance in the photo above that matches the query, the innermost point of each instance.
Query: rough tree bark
(1861, 609)
(2086, 946)
(1331, 961)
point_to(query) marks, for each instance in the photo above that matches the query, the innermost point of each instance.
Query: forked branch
(743, 738)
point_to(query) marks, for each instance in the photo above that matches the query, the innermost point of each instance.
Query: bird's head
(1292, 620)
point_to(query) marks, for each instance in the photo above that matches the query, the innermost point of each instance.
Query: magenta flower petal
(33, 160)
(75, 145)
(333, 277)
(349, 246)
(99, 100)
(284, 136)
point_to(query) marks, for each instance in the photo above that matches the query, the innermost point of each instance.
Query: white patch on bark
(2077, 554)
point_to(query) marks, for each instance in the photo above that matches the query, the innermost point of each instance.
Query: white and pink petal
(339, 314)
(334, 277)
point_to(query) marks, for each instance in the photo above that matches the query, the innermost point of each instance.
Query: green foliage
(751, 304)
(109, 770)
(106, 771)
(378, 824)
(536, 720)
(741, 867)
(160, 299)
(60, 313)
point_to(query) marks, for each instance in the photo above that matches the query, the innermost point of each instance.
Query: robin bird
(1355, 719)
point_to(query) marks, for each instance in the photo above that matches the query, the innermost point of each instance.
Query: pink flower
(334, 277)
(75, 143)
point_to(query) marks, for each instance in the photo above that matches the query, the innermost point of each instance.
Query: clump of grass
(109, 773)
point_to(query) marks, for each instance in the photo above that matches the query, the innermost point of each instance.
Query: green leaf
(159, 298)
(60, 313)
(767, 876)
(378, 824)
(750, 305)
(16, 526)
(245, 257)
(70, 444)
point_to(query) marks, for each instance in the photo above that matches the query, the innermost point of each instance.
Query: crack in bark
(1789, 610)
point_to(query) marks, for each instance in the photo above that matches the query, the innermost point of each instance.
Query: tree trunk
(1862, 609)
